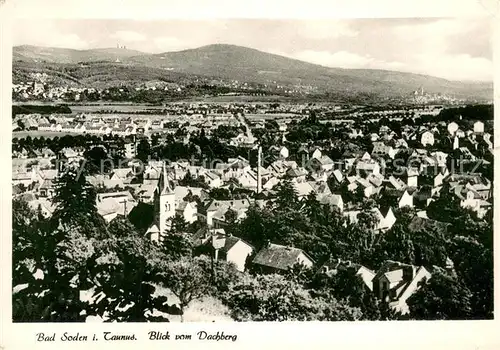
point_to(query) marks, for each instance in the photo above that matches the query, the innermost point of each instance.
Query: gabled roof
(233, 203)
(331, 199)
(229, 241)
(338, 175)
(296, 172)
(303, 188)
(279, 256)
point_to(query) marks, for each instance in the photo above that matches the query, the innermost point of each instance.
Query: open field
(112, 107)
(239, 99)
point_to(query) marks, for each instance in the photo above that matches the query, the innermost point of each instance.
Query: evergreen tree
(75, 201)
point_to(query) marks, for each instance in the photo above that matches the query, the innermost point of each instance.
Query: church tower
(167, 201)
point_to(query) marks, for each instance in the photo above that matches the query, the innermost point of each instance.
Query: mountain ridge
(233, 62)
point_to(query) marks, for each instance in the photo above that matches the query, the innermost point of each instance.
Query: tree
(176, 243)
(472, 255)
(96, 161)
(443, 297)
(124, 273)
(141, 216)
(121, 226)
(275, 298)
(75, 201)
(231, 216)
(44, 276)
(143, 151)
(286, 196)
(186, 279)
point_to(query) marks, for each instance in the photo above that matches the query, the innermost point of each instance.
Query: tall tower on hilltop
(167, 201)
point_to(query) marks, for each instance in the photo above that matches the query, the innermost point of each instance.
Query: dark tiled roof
(278, 256)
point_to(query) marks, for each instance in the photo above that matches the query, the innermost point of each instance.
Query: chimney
(259, 165)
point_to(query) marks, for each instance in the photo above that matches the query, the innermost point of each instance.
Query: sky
(450, 48)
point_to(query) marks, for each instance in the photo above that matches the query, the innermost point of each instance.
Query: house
(269, 184)
(337, 177)
(279, 152)
(368, 188)
(374, 137)
(299, 174)
(278, 168)
(406, 200)
(367, 166)
(212, 179)
(182, 193)
(316, 153)
(332, 200)
(275, 257)
(46, 206)
(400, 143)
(123, 174)
(111, 204)
(355, 133)
(410, 176)
(331, 267)
(152, 171)
(427, 138)
(248, 180)
(46, 174)
(233, 249)
(387, 219)
(47, 188)
(321, 163)
(466, 154)
(146, 191)
(218, 208)
(395, 183)
(471, 199)
(452, 128)
(395, 282)
(188, 211)
(47, 153)
(130, 150)
(380, 150)
(460, 133)
(302, 188)
(479, 127)
(383, 222)
(438, 179)
(70, 154)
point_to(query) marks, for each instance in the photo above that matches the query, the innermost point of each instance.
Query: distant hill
(59, 55)
(232, 62)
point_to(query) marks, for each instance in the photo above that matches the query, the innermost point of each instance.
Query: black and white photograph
(247, 170)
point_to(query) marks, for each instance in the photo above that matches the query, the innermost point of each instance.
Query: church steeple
(167, 202)
(165, 186)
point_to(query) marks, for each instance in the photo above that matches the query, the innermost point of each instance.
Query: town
(306, 198)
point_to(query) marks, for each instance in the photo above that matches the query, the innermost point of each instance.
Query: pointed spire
(165, 184)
